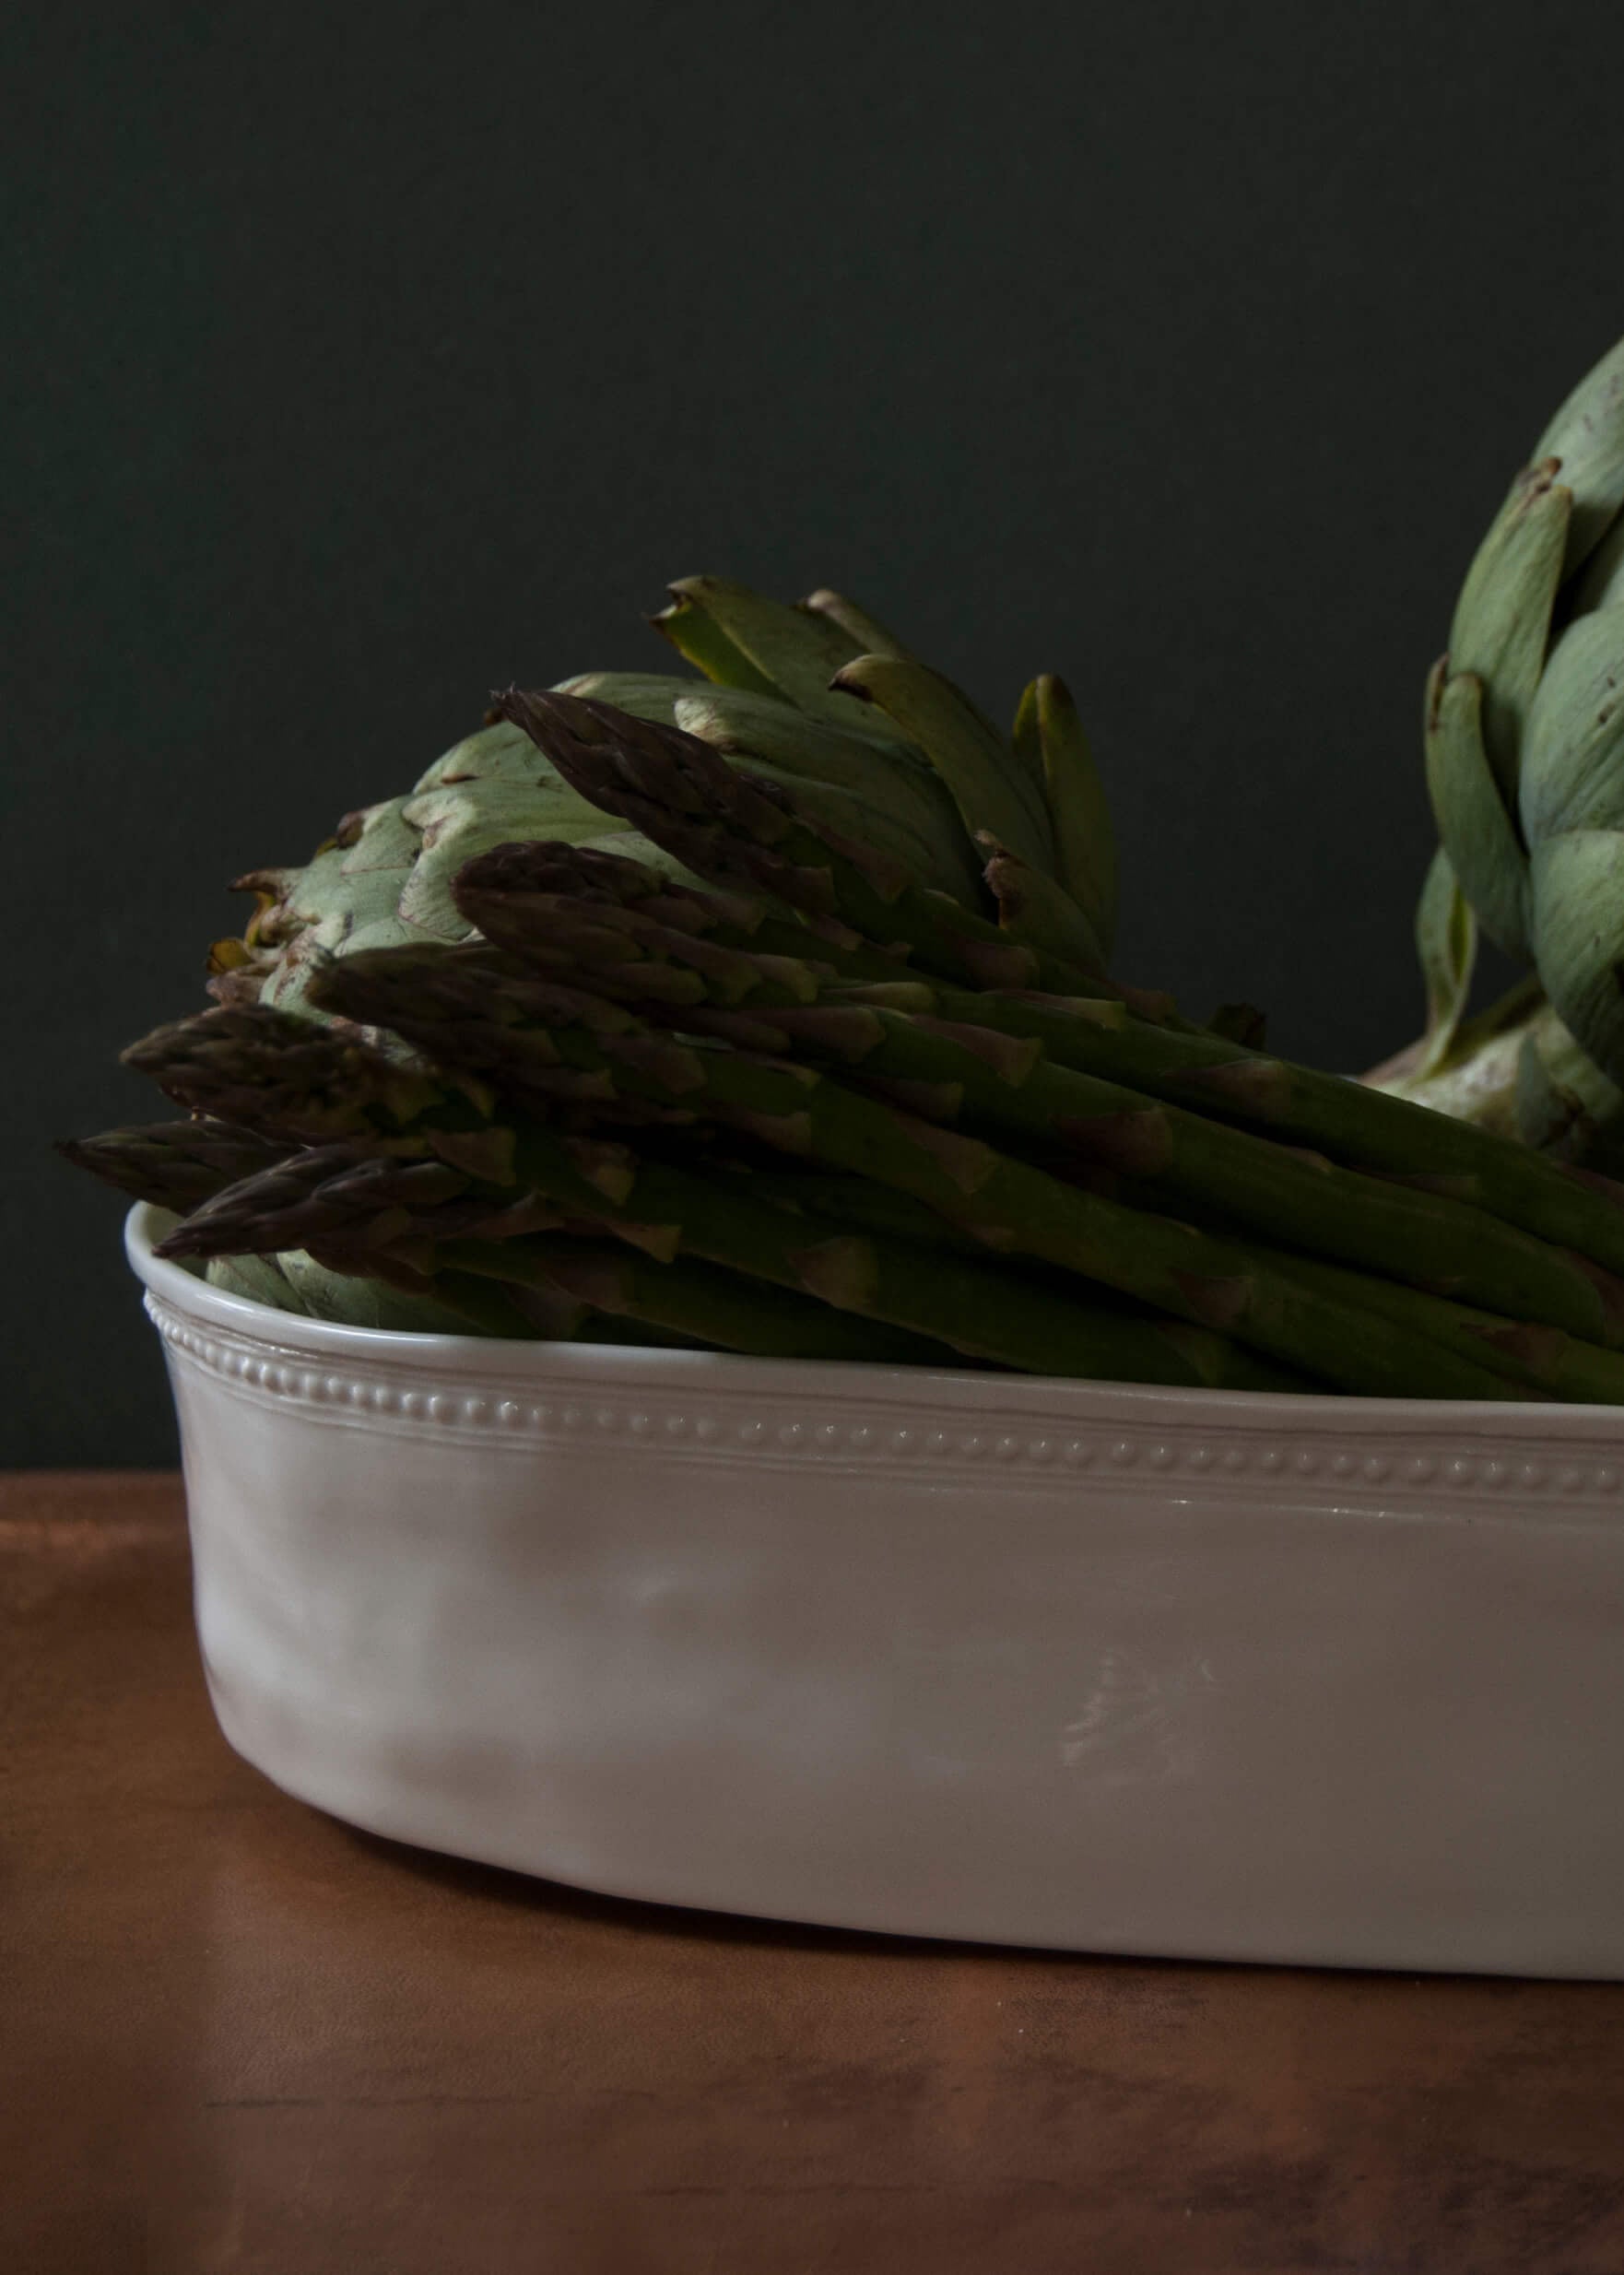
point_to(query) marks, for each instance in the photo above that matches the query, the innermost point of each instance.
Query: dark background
(366, 362)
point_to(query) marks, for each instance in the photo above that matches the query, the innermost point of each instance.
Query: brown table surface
(235, 2034)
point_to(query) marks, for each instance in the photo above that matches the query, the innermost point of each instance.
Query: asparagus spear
(1365, 1128)
(179, 1165)
(963, 1072)
(304, 1084)
(857, 1201)
(727, 1310)
(467, 1004)
(731, 828)
(1541, 1359)
(325, 1194)
(429, 1229)
(172, 1164)
(501, 893)
(379, 1291)
(844, 1295)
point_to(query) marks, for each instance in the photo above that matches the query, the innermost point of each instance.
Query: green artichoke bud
(819, 697)
(919, 776)
(1525, 750)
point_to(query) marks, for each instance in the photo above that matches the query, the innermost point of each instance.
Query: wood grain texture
(238, 2036)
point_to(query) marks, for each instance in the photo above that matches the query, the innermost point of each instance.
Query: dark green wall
(1185, 350)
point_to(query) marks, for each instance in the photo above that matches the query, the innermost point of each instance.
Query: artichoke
(1525, 750)
(819, 697)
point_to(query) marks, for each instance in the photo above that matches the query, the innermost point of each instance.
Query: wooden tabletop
(238, 2036)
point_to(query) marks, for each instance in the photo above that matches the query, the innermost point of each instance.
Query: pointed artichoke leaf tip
(1433, 702)
(693, 622)
(871, 638)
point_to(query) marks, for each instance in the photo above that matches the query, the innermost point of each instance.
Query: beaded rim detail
(1211, 1461)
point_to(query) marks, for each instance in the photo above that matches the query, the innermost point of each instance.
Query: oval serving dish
(1176, 1672)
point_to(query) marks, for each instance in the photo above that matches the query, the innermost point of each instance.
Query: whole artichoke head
(1524, 749)
(818, 696)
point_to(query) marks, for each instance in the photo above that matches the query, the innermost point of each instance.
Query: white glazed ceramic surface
(1118, 1669)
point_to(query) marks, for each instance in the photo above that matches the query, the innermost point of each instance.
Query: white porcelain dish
(1101, 1668)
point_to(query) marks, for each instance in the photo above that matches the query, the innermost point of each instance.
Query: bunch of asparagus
(807, 1107)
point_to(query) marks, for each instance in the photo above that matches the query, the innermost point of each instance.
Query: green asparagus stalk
(290, 1078)
(178, 1166)
(380, 1291)
(733, 829)
(507, 893)
(1363, 1128)
(703, 1301)
(1366, 1129)
(283, 1072)
(326, 1194)
(967, 1074)
(172, 1164)
(422, 1229)
(856, 1201)
(467, 1004)
(877, 1298)
(1541, 1360)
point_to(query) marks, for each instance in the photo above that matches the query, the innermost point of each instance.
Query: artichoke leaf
(1446, 942)
(1048, 738)
(258, 1279)
(916, 818)
(1587, 437)
(456, 826)
(1501, 626)
(1565, 1105)
(734, 720)
(1573, 746)
(1483, 846)
(868, 635)
(992, 792)
(499, 753)
(1577, 922)
(1035, 910)
(356, 1300)
(644, 694)
(1602, 582)
(769, 647)
(384, 843)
